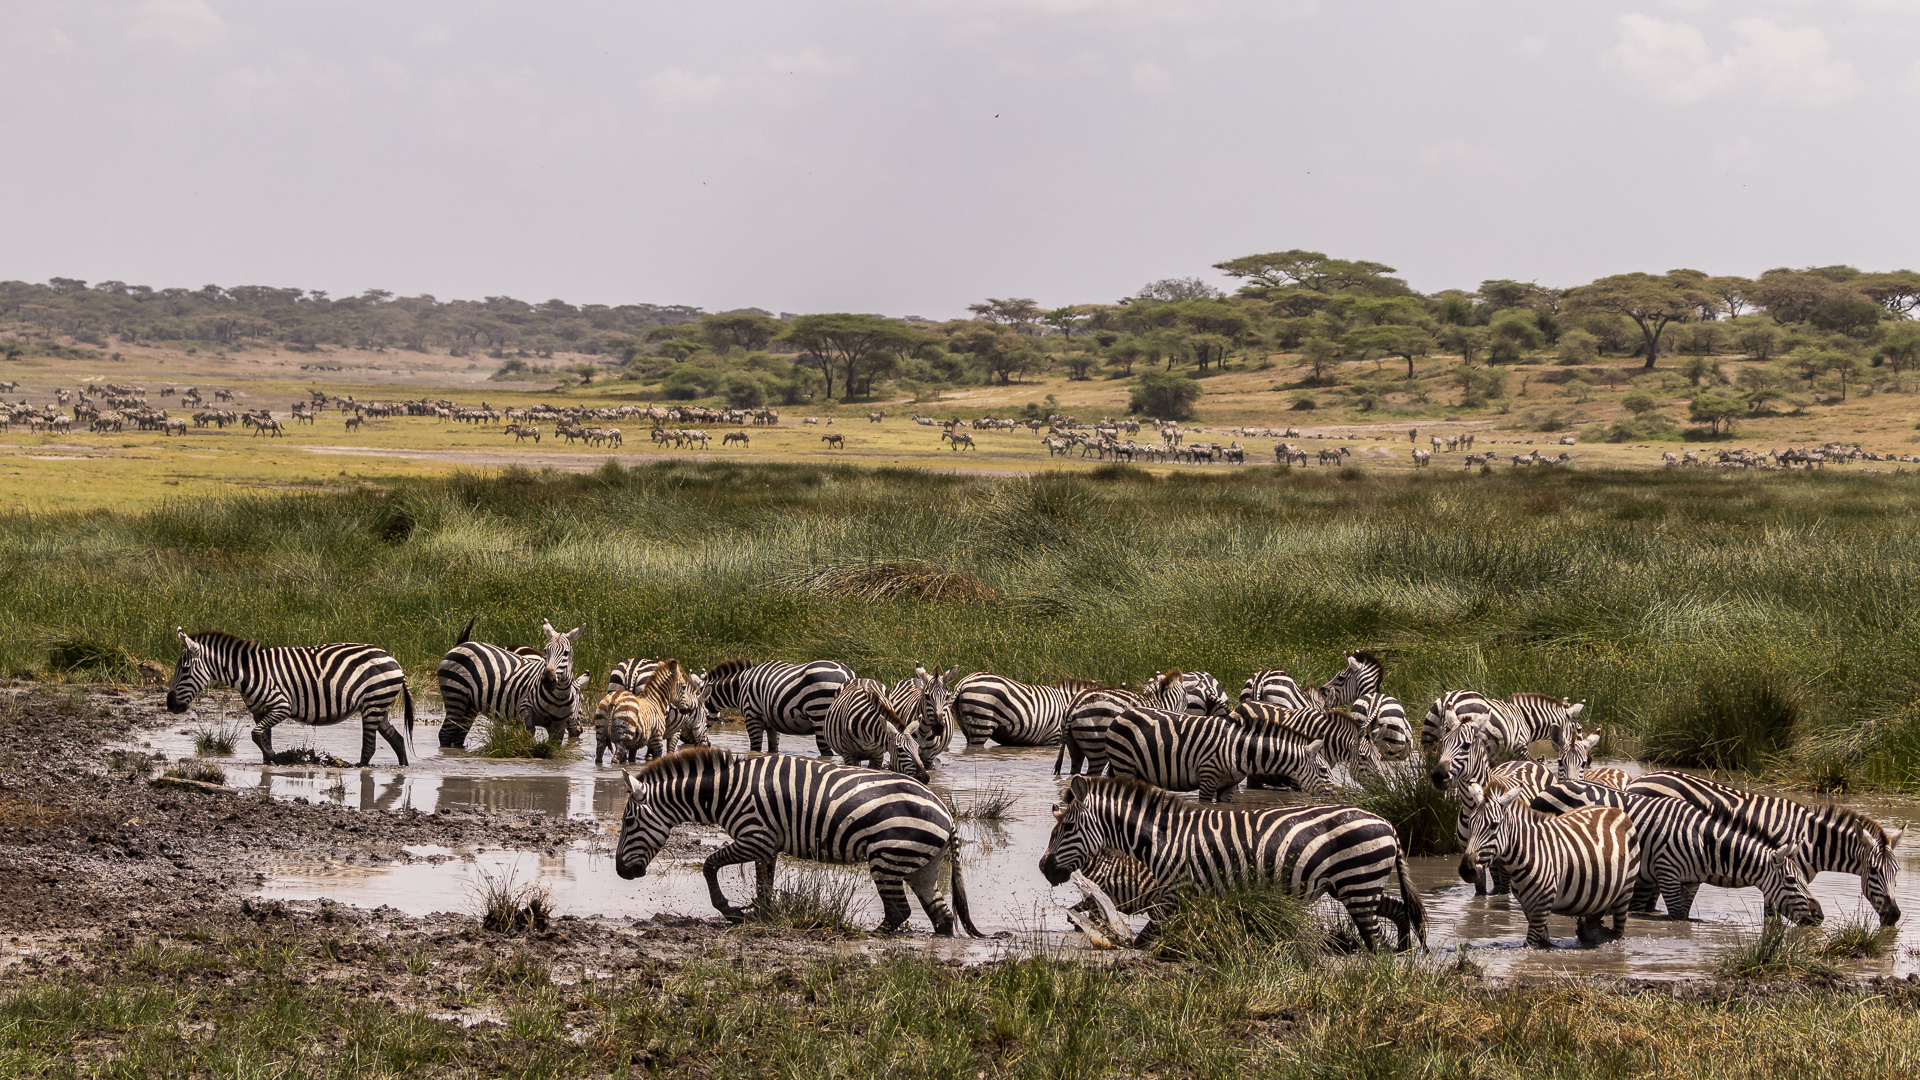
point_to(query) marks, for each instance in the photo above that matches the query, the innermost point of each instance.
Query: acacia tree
(853, 342)
(1018, 312)
(1650, 300)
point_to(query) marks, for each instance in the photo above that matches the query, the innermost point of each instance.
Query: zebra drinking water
(537, 688)
(780, 804)
(1212, 754)
(1309, 851)
(866, 730)
(1010, 712)
(778, 698)
(318, 684)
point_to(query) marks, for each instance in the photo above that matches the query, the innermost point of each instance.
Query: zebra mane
(663, 676)
(216, 637)
(1848, 819)
(1073, 683)
(1529, 696)
(680, 762)
(1367, 659)
(727, 669)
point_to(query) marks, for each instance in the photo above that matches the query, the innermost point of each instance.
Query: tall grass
(1733, 621)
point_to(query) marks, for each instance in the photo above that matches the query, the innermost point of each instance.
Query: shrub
(813, 898)
(1422, 814)
(510, 908)
(1728, 720)
(1164, 395)
(1250, 922)
(513, 739)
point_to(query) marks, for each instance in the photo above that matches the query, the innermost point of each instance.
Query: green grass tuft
(512, 739)
(1248, 923)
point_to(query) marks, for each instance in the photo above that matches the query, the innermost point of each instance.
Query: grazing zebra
(927, 697)
(1310, 851)
(779, 804)
(1212, 754)
(1202, 693)
(1127, 881)
(1519, 720)
(864, 729)
(778, 698)
(625, 719)
(1012, 713)
(685, 725)
(1837, 839)
(1361, 676)
(1583, 863)
(1682, 847)
(538, 689)
(316, 684)
(1513, 723)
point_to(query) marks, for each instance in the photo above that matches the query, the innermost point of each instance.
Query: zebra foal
(780, 804)
(685, 724)
(317, 684)
(628, 718)
(1309, 851)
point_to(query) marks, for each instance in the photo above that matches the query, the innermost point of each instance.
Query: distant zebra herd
(1563, 838)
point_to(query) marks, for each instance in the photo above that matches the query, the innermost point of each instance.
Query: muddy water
(1003, 880)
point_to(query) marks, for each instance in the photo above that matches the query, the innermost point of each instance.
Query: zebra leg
(1646, 889)
(373, 719)
(1679, 897)
(925, 883)
(263, 730)
(453, 729)
(751, 846)
(1588, 930)
(893, 898)
(1365, 910)
(1536, 908)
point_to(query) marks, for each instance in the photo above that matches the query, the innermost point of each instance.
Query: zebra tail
(1061, 757)
(1410, 896)
(467, 634)
(406, 699)
(960, 892)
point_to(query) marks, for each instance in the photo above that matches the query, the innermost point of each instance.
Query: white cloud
(176, 24)
(678, 86)
(1151, 78)
(1673, 62)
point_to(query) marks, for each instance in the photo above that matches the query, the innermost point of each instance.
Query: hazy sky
(913, 156)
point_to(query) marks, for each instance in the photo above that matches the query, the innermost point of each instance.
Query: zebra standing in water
(1346, 736)
(535, 688)
(1683, 847)
(1387, 719)
(780, 804)
(1513, 723)
(778, 698)
(1212, 754)
(1012, 713)
(1583, 863)
(1310, 851)
(1362, 675)
(1837, 839)
(1203, 694)
(865, 730)
(686, 725)
(927, 698)
(1090, 714)
(626, 719)
(318, 684)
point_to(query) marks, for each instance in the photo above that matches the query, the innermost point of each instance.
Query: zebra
(928, 697)
(625, 718)
(1837, 839)
(1525, 775)
(1520, 719)
(1387, 723)
(865, 730)
(1682, 847)
(537, 688)
(1084, 727)
(1310, 851)
(1583, 863)
(1203, 694)
(1360, 676)
(1012, 713)
(686, 725)
(1576, 751)
(1345, 736)
(778, 698)
(805, 808)
(314, 684)
(1513, 723)
(1127, 881)
(1212, 754)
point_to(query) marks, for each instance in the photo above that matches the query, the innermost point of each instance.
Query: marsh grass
(989, 803)
(512, 739)
(1681, 606)
(1249, 923)
(1420, 813)
(509, 907)
(813, 899)
(209, 741)
(1782, 952)
(195, 769)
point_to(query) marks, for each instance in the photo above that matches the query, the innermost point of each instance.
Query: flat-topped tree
(1275, 275)
(856, 343)
(1652, 301)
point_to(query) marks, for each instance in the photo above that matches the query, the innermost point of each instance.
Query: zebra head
(559, 652)
(1360, 676)
(903, 744)
(1205, 695)
(936, 709)
(1166, 690)
(1488, 812)
(190, 675)
(693, 729)
(1078, 834)
(643, 831)
(1462, 747)
(1576, 752)
(1784, 884)
(1867, 848)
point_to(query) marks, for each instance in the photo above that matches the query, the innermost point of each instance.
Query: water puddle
(1002, 875)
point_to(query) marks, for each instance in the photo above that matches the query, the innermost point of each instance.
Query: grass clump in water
(1249, 922)
(510, 739)
(813, 899)
(1739, 720)
(990, 803)
(1781, 952)
(1422, 814)
(216, 741)
(205, 772)
(507, 907)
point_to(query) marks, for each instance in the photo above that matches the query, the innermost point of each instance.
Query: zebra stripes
(1091, 712)
(1386, 718)
(1310, 851)
(1212, 754)
(864, 729)
(626, 719)
(780, 804)
(1683, 847)
(1010, 712)
(778, 698)
(1513, 723)
(319, 684)
(1127, 881)
(1362, 675)
(927, 698)
(1203, 694)
(685, 725)
(1836, 838)
(1576, 751)
(1583, 863)
(536, 688)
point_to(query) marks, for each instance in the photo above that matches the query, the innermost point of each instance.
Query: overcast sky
(913, 156)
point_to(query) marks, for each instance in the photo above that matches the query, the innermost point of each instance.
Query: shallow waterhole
(1002, 873)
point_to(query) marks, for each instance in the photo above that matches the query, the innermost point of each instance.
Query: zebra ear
(547, 628)
(1076, 788)
(1316, 747)
(1574, 710)
(579, 681)
(1471, 795)
(633, 785)
(1591, 741)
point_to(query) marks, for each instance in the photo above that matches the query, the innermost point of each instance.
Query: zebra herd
(1563, 838)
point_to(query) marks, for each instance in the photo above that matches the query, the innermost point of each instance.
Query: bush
(1250, 922)
(508, 908)
(1304, 403)
(689, 381)
(1579, 347)
(813, 898)
(1732, 720)
(1422, 814)
(743, 391)
(513, 739)
(1164, 395)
